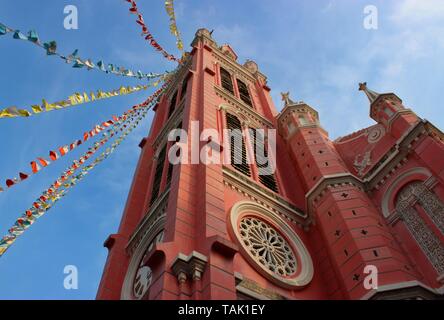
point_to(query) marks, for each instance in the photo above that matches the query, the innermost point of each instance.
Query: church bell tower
(300, 220)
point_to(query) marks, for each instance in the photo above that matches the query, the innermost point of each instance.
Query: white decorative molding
(241, 108)
(264, 197)
(153, 220)
(402, 286)
(388, 194)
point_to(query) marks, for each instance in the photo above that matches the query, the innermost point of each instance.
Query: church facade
(360, 217)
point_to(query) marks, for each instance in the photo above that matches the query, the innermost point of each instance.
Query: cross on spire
(286, 98)
(371, 95)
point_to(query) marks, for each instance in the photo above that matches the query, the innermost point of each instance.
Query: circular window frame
(128, 282)
(304, 273)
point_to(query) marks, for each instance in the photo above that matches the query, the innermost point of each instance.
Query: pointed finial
(286, 98)
(371, 95)
(363, 86)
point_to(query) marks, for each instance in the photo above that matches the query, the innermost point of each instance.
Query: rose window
(267, 246)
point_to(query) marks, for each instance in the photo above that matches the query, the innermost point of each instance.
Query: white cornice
(264, 197)
(242, 107)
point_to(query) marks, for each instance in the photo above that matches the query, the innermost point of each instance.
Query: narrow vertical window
(302, 120)
(227, 82)
(170, 165)
(243, 93)
(237, 145)
(172, 104)
(183, 91)
(266, 177)
(158, 175)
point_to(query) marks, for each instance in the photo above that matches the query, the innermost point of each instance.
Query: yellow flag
(73, 100)
(36, 109)
(24, 113)
(79, 97)
(47, 106)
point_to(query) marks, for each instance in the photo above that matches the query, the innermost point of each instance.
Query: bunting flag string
(39, 163)
(67, 180)
(147, 34)
(51, 50)
(73, 100)
(169, 7)
(59, 189)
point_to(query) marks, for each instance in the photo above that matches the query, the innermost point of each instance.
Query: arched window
(172, 104)
(183, 90)
(170, 165)
(237, 145)
(243, 93)
(266, 174)
(227, 82)
(414, 194)
(158, 175)
(302, 120)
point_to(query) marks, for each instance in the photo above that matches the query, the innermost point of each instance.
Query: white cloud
(240, 38)
(418, 11)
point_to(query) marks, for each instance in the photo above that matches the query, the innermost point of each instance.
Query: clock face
(142, 281)
(144, 274)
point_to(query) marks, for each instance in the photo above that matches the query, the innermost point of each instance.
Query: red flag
(64, 150)
(10, 183)
(43, 162)
(53, 155)
(23, 176)
(35, 167)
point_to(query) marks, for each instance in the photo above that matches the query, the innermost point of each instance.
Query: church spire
(371, 95)
(286, 99)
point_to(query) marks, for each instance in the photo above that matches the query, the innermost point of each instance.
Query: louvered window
(170, 165)
(158, 176)
(237, 145)
(226, 80)
(183, 91)
(172, 104)
(243, 92)
(266, 176)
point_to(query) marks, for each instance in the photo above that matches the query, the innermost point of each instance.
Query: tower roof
(371, 95)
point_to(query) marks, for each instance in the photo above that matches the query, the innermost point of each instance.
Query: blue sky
(318, 50)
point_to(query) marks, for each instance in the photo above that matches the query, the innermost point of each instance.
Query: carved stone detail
(361, 165)
(189, 267)
(375, 133)
(426, 238)
(268, 246)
